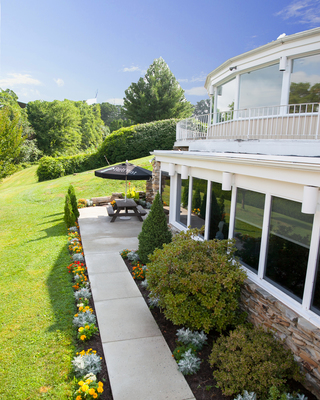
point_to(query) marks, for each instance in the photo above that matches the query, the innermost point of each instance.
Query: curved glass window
(225, 100)
(288, 247)
(219, 212)
(248, 227)
(261, 88)
(305, 80)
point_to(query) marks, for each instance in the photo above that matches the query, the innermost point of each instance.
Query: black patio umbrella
(124, 171)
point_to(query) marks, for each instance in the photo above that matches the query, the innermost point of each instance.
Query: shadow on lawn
(54, 230)
(59, 283)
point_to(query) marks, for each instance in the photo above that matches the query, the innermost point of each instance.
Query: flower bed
(91, 379)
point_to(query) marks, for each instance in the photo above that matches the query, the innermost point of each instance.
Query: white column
(264, 236)
(232, 211)
(208, 212)
(312, 262)
(189, 201)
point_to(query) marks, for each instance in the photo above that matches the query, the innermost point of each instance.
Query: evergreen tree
(157, 96)
(69, 217)
(185, 197)
(196, 199)
(155, 231)
(74, 203)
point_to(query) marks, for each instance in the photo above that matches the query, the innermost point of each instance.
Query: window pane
(199, 202)
(226, 95)
(248, 227)
(315, 305)
(261, 88)
(219, 212)
(288, 247)
(165, 191)
(182, 200)
(305, 80)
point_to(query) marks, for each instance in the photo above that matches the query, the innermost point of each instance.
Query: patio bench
(141, 210)
(110, 211)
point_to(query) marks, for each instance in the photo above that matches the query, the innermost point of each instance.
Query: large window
(199, 202)
(248, 227)
(219, 212)
(288, 247)
(315, 305)
(261, 88)
(225, 100)
(182, 200)
(165, 191)
(305, 80)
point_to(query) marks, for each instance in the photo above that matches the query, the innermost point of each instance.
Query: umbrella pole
(125, 198)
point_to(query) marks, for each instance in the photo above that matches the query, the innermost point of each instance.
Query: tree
(157, 96)
(91, 125)
(73, 200)
(57, 126)
(10, 140)
(201, 108)
(155, 231)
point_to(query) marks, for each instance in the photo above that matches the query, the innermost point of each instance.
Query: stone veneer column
(152, 186)
(298, 334)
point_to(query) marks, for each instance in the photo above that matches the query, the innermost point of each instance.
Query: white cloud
(200, 78)
(115, 101)
(196, 91)
(14, 79)
(59, 82)
(305, 11)
(131, 69)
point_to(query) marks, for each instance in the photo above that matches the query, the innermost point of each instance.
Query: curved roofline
(274, 43)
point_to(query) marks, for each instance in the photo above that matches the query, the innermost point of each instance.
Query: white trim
(208, 210)
(264, 236)
(190, 193)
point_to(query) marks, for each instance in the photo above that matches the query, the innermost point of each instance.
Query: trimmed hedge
(49, 168)
(124, 144)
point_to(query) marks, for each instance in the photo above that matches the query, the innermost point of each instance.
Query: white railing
(293, 121)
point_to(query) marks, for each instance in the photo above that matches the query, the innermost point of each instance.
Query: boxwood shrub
(197, 282)
(49, 168)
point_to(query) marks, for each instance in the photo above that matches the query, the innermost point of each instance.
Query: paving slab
(105, 244)
(105, 262)
(116, 285)
(144, 369)
(124, 319)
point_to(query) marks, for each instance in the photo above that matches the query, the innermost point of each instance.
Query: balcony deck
(294, 125)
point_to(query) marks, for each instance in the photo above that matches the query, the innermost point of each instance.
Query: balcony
(293, 121)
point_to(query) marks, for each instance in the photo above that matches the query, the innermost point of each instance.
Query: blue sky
(71, 49)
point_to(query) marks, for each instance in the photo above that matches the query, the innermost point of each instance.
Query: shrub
(49, 168)
(86, 362)
(251, 358)
(155, 231)
(197, 282)
(73, 200)
(69, 217)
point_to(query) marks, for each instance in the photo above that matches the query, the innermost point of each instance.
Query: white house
(251, 171)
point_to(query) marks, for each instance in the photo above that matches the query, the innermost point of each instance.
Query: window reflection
(248, 227)
(199, 202)
(219, 212)
(182, 200)
(305, 80)
(315, 305)
(225, 100)
(288, 247)
(165, 191)
(261, 88)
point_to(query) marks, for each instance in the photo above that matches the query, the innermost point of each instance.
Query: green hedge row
(124, 144)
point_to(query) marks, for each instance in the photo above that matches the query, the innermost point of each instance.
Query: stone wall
(152, 186)
(298, 334)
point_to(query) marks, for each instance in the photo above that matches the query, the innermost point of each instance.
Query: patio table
(126, 208)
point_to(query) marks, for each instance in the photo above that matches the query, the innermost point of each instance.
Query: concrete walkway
(139, 361)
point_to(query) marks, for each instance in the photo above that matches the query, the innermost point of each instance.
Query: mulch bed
(202, 383)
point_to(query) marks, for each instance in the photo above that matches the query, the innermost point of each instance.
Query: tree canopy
(157, 96)
(65, 127)
(201, 108)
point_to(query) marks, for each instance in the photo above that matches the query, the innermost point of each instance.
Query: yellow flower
(95, 395)
(75, 315)
(80, 383)
(81, 329)
(84, 387)
(80, 308)
(100, 383)
(99, 390)
(91, 391)
(88, 381)
(83, 337)
(87, 327)
(78, 398)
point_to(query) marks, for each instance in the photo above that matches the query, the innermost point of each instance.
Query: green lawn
(37, 336)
